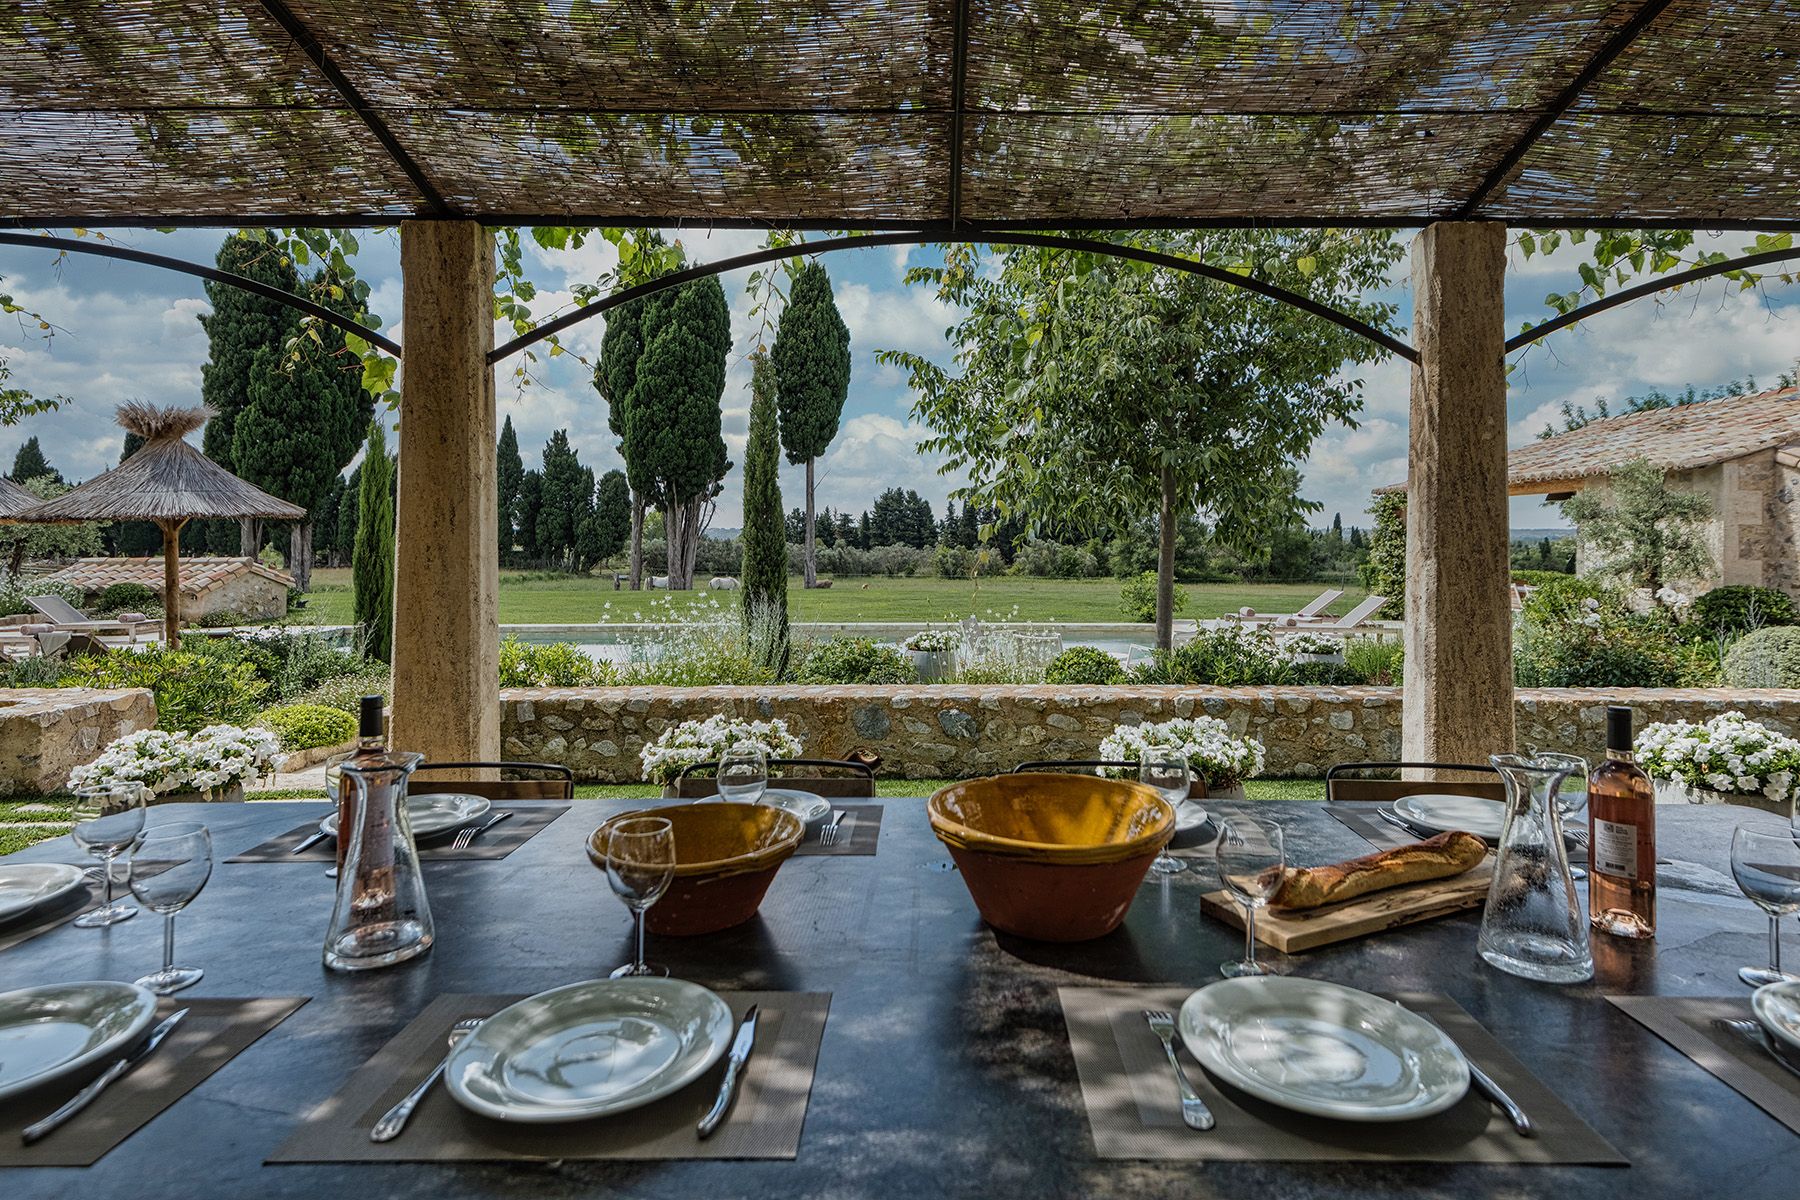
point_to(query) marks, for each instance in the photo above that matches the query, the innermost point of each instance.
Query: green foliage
(531, 502)
(1539, 578)
(192, 690)
(509, 469)
(222, 618)
(1565, 639)
(1768, 658)
(1648, 531)
(558, 664)
(34, 672)
(30, 463)
(856, 660)
(1229, 656)
(763, 574)
(372, 563)
(610, 528)
(1139, 598)
(1084, 664)
(901, 518)
(305, 726)
(1376, 662)
(1384, 571)
(50, 541)
(566, 507)
(1566, 597)
(345, 692)
(13, 593)
(1740, 608)
(348, 514)
(812, 365)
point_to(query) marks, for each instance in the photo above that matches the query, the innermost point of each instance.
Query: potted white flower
(214, 764)
(699, 741)
(1312, 648)
(934, 653)
(1728, 760)
(1219, 761)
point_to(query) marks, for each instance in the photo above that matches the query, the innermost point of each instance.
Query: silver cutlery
(828, 834)
(106, 1079)
(1759, 1036)
(734, 1066)
(468, 835)
(309, 841)
(1484, 1083)
(1392, 818)
(395, 1119)
(1194, 1113)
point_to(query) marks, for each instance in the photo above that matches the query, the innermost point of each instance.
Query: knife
(307, 843)
(734, 1066)
(85, 1096)
(1484, 1083)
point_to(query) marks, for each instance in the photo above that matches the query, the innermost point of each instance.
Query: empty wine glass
(743, 774)
(640, 864)
(168, 868)
(1167, 772)
(108, 819)
(1251, 858)
(1767, 869)
(1571, 794)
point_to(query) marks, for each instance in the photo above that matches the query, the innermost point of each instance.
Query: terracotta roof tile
(198, 575)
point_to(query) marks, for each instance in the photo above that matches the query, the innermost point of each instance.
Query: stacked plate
(807, 806)
(429, 813)
(1323, 1049)
(1777, 1009)
(56, 1030)
(24, 886)
(1431, 814)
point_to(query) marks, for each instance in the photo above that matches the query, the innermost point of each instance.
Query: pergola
(930, 119)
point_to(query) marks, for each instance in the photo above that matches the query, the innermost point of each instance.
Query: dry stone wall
(46, 733)
(945, 732)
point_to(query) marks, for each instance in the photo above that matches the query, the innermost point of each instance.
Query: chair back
(1319, 603)
(1074, 764)
(699, 780)
(57, 609)
(1359, 614)
(1345, 783)
(552, 781)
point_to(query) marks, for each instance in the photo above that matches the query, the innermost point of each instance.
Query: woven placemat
(526, 822)
(764, 1122)
(859, 834)
(1688, 1024)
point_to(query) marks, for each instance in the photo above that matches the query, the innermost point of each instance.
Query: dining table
(945, 1066)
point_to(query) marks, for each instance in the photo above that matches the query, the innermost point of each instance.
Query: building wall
(247, 594)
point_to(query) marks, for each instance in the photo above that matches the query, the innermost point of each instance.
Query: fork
(828, 835)
(1759, 1036)
(474, 831)
(1194, 1113)
(395, 1119)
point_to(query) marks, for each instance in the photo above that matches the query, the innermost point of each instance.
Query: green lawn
(580, 601)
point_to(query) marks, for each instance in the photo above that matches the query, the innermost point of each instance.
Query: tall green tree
(674, 444)
(1383, 572)
(1106, 392)
(812, 380)
(22, 541)
(372, 563)
(531, 502)
(1644, 531)
(349, 510)
(567, 500)
(611, 522)
(240, 324)
(764, 540)
(29, 463)
(509, 469)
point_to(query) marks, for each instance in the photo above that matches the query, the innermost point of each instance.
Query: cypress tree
(612, 515)
(567, 500)
(29, 463)
(349, 508)
(372, 564)
(531, 500)
(812, 380)
(615, 376)
(509, 469)
(764, 539)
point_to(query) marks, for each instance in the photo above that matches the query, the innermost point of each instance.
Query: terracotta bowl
(726, 855)
(1056, 858)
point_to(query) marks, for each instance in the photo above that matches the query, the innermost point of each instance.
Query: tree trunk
(637, 541)
(300, 555)
(249, 537)
(812, 562)
(171, 531)
(1165, 564)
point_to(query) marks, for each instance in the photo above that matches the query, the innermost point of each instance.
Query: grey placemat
(1686, 1023)
(213, 1033)
(764, 1122)
(1198, 843)
(1359, 817)
(526, 822)
(1134, 1110)
(60, 912)
(858, 834)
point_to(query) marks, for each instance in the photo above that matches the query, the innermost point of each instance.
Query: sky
(127, 331)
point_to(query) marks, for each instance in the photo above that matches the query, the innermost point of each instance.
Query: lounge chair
(67, 617)
(1305, 612)
(1350, 621)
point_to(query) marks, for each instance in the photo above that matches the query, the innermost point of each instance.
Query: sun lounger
(1305, 612)
(66, 616)
(1350, 621)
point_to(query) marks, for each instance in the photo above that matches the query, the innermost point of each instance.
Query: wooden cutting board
(1291, 933)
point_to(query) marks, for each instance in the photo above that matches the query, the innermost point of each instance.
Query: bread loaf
(1440, 857)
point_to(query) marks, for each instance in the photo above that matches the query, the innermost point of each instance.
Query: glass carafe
(1533, 924)
(381, 916)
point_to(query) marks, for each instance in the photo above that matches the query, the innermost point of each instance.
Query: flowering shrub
(1295, 644)
(698, 741)
(1230, 655)
(933, 641)
(306, 726)
(218, 756)
(558, 664)
(1223, 760)
(1730, 753)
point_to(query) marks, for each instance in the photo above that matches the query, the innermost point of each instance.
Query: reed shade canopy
(167, 482)
(14, 500)
(912, 114)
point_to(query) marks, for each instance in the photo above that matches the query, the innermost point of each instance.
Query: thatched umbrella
(15, 499)
(169, 483)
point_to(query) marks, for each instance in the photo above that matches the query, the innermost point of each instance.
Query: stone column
(446, 700)
(1459, 674)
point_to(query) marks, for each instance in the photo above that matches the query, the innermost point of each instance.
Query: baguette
(1441, 857)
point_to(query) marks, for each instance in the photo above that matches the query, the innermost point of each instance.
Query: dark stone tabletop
(945, 1068)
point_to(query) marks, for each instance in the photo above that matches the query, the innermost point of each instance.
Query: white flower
(1729, 753)
(1212, 752)
(217, 756)
(698, 741)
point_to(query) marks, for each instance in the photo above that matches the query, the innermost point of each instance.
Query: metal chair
(1338, 788)
(858, 784)
(559, 786)
(1073, 764)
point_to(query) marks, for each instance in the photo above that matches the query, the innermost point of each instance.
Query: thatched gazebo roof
(15, 499)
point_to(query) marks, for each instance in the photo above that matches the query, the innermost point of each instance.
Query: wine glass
(640, 864)
(108, 819)
(1251, 858)
(168, 868)
(1767, 869)
(1167, 772)
(1571, 794)
(743, 774)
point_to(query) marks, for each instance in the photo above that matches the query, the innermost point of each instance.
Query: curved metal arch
(1644, 289)
(994, 237)
(73, 246)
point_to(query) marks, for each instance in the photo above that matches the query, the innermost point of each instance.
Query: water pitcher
(381, 916)
(1533, 924)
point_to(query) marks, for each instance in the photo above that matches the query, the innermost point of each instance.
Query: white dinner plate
(1441, 814)
(589, 1050)
(24, 886)
(1777, 1007)
(1190, 823)
(1323, 1049)
(430, 813)
(54, 1030)
(810, 808)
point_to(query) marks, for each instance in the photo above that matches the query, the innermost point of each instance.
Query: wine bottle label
(1615, 848)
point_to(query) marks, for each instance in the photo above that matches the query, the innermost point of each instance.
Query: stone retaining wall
(938, 732)
(47, 732)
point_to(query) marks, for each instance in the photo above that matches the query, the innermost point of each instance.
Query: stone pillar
(446, 700)
(1459, 673)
